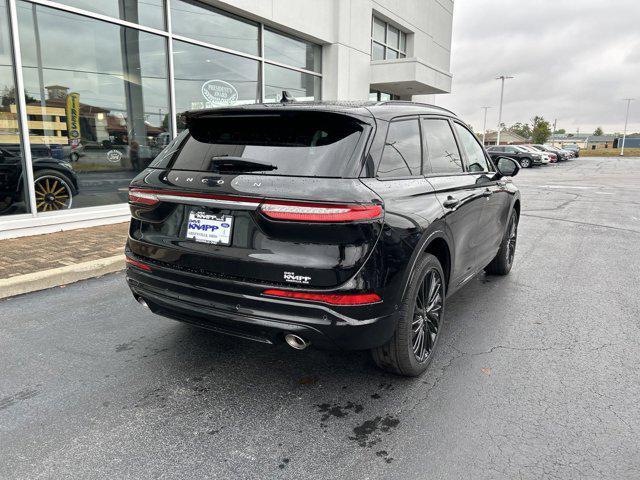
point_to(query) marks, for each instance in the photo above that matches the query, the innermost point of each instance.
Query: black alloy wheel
(512, 239)
(503, 261)
(426, 315)
(420, 320)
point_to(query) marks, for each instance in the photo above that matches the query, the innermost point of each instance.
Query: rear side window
(441, 146)
(402, 154)
(306, 144)
(476, 161)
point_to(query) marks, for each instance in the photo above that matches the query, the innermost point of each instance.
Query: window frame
(402, 118)
(402, 34)
(465, 159)
(463, 171)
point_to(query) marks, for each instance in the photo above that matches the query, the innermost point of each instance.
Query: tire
(53, 190)
(503, 261)
(525, 162)
(400, 354)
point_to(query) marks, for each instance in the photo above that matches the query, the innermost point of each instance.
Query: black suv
(339, 225)
(524, 158)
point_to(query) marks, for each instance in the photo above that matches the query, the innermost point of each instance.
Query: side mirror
(507, 167)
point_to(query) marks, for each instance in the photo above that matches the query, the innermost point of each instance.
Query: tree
(8, 97)
(541, 130)
(524, 130)
(598, 131)
(560, 131)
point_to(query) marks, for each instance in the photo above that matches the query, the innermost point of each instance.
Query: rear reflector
(143, 197)
(138, 264)
(333, 299)
(306, 212)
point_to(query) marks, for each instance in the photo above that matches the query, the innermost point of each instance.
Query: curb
(32, 282)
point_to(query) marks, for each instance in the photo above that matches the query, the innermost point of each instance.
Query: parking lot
(536, 373)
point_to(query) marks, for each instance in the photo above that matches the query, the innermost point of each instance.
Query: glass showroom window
(13, 194)
(292, 51)
(207, 78)
(216, 27)
(302, 86)
(97, 102)
(387, 41)
(145, 12)
(97, 89)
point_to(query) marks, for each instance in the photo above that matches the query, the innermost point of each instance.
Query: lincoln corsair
(338, 225)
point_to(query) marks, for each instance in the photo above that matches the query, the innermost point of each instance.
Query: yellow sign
(73, 116)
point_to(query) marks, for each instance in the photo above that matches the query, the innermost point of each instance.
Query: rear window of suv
(307, 144)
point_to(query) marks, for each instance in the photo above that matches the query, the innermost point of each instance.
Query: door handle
(450, 202)
(487, 193)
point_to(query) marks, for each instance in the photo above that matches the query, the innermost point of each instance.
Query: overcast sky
(573, 61)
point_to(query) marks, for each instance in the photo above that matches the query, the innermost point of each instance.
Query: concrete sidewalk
(34, 263)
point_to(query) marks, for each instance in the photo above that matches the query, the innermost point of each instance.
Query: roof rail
(400, 102)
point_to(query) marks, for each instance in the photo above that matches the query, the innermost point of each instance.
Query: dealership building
(91, 91)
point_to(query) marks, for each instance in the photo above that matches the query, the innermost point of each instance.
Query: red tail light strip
(332, 299)
(138, 264)
(274, 209)
(304, 212)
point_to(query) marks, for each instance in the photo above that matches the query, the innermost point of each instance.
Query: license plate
(206, 228)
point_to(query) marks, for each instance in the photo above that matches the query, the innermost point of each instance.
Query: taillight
(138, 264)
(331, 298)
(142, 197)
(309, 212)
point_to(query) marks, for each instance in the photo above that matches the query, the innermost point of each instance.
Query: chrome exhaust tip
(296, 342)
(143, 302)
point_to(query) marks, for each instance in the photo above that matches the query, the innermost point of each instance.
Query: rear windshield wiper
(238, 164)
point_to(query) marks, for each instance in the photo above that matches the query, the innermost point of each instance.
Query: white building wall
(343, 27)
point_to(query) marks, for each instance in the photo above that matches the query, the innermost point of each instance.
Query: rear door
(459, 194)
(262, 198)
(496, 199)
(399, 179)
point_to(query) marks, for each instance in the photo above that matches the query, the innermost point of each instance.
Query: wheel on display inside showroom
(53, 191)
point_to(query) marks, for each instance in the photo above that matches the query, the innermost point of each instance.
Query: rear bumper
(238, 309)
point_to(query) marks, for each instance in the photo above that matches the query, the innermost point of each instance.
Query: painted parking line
(579, 187)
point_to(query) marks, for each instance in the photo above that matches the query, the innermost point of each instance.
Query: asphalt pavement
(536, 374)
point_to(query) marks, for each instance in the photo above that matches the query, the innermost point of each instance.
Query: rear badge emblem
(291, 277)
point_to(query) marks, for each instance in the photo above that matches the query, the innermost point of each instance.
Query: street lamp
(626, 120)
(484, 126)
(502, 78)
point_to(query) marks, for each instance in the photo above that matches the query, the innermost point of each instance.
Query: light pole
(484, 126)
(626, 120)
(503, 78)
